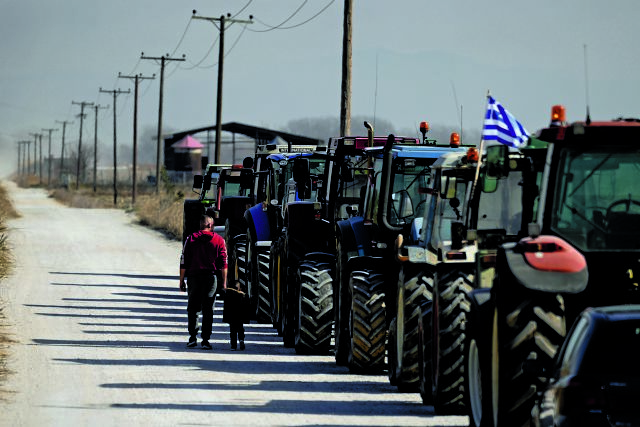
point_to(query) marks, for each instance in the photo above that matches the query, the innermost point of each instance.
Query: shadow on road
(154, 317)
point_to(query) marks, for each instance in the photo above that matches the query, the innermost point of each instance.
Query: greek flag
(501, 126)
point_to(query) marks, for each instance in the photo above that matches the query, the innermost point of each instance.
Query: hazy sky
(428, 58)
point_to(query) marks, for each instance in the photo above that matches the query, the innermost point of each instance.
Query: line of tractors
(455, 270)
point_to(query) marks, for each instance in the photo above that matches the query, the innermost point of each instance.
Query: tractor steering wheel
(626, 202)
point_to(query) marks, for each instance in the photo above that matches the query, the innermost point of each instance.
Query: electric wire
(279, 27)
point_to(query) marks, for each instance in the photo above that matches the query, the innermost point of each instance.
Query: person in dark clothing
(236, 313)
(203, 263)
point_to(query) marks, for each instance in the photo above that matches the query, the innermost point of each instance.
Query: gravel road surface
(101, 330)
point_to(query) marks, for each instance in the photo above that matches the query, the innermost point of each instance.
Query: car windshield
(613, 350)
(597, 199)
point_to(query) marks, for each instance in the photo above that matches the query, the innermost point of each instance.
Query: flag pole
(480, 149)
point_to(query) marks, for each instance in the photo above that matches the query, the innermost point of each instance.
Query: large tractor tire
(240, 261)
(403, 342)
(316, 308)
(425, 345)
(368, 322)
(527, 326)
(231, 260)
(264, 293)
(453, 310)
(251, 278)
(277, 281)
(342, 308)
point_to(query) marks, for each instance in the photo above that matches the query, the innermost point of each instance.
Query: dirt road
(101, 332)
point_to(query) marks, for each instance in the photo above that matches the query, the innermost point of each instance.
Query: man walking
(203, 263)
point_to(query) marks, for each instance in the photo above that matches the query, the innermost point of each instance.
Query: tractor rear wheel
(316, 308)
(454, 309)
(264, 294)
(368, 322)
(342, 307)
(527, 325)
(411, 293)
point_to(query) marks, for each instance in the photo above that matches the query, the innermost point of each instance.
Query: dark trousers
(237, 332)
(202, 296)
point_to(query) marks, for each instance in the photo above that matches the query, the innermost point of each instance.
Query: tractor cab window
(407, 201)
(597, 199)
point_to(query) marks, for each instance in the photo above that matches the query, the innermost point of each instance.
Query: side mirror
(497, 161)
(301, 169)
(448, 187)
(206, 182)
(346, 173)
(197, 181)
(489, 183)
(246, 178)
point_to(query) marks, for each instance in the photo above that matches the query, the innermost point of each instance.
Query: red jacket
(204, 250)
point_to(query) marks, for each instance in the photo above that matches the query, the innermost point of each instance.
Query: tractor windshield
(597, 199)
(407, 201)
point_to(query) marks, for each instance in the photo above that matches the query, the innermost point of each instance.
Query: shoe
(233, 348)
(192, 343)
(241, 345)
(205, 345)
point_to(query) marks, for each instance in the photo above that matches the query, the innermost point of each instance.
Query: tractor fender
(257, 219)
(366, 263)
(544, 263)
(356, 238)
(321, 257)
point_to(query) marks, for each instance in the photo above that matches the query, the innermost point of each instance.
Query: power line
(280, 27)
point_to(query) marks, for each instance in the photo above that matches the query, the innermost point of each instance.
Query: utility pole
(82, 105)
(162, 60)
(64, 124)
(345, 93)
(222, 21)
(28, 159)
(49, 161)
(115, 93)
(136, 78)
(35, 150)
(23, 161)
(95, 145)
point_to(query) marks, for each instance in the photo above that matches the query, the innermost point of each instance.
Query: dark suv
(596, 378)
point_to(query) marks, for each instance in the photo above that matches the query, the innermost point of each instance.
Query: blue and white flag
(501, 126)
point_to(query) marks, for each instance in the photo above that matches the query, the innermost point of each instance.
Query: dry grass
(7, 211)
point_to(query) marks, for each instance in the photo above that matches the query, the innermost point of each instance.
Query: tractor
(366, 267)
(582, 249)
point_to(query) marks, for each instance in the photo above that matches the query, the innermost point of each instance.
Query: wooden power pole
(82, 105)
(162, 60)
(136, 79)
(49, 161)
(115, 93)
(222, 20)
(345, 94)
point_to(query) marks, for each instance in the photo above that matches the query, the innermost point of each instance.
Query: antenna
(375, 93)
(586, 83)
